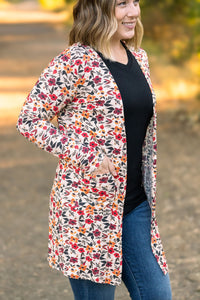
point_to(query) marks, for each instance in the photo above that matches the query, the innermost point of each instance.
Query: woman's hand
(105, 167)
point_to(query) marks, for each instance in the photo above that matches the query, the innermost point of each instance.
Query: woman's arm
(53, 91)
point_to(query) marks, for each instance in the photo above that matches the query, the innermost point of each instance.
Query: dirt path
(27, 174)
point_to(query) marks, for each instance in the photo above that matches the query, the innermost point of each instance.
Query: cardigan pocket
(88, 159)
(104, 181)
(101, 188)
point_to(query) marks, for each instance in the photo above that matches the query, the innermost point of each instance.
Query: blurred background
(31, 34)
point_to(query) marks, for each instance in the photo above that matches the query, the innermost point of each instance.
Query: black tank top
(138, 110)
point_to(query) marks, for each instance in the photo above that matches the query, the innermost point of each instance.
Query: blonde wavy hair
(95, 24)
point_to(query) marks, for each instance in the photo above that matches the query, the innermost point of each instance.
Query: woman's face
(126, 13)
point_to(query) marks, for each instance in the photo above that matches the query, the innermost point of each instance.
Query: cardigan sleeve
(54, 90)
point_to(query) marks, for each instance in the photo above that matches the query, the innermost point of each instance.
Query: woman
(102, 225)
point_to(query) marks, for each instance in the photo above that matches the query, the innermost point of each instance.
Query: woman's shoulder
(141, 55)
(72, 56)
(139, 52)
(77, 50)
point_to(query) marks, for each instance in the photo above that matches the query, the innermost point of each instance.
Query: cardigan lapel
(139, 56)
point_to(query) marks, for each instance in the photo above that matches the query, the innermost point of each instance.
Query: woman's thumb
(112, 168)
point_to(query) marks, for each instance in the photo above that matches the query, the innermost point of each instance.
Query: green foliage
(173, 24)
(54, 5)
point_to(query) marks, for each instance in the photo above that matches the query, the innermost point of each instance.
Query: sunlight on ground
(30, 12)
(18, 84)
(13, 96)
(10, 106)
(24, 17)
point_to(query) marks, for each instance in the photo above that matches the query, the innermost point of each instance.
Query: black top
(138, 110)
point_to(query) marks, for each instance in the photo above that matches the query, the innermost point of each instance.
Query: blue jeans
(141, 273)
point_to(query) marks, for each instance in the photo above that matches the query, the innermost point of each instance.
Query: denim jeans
(141, 273)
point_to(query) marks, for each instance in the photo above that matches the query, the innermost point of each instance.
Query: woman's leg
(141, 273)
(89, 290)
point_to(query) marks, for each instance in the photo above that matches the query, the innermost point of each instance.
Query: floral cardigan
(85, 218)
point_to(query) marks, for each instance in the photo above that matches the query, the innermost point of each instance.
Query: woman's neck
(118, 52)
